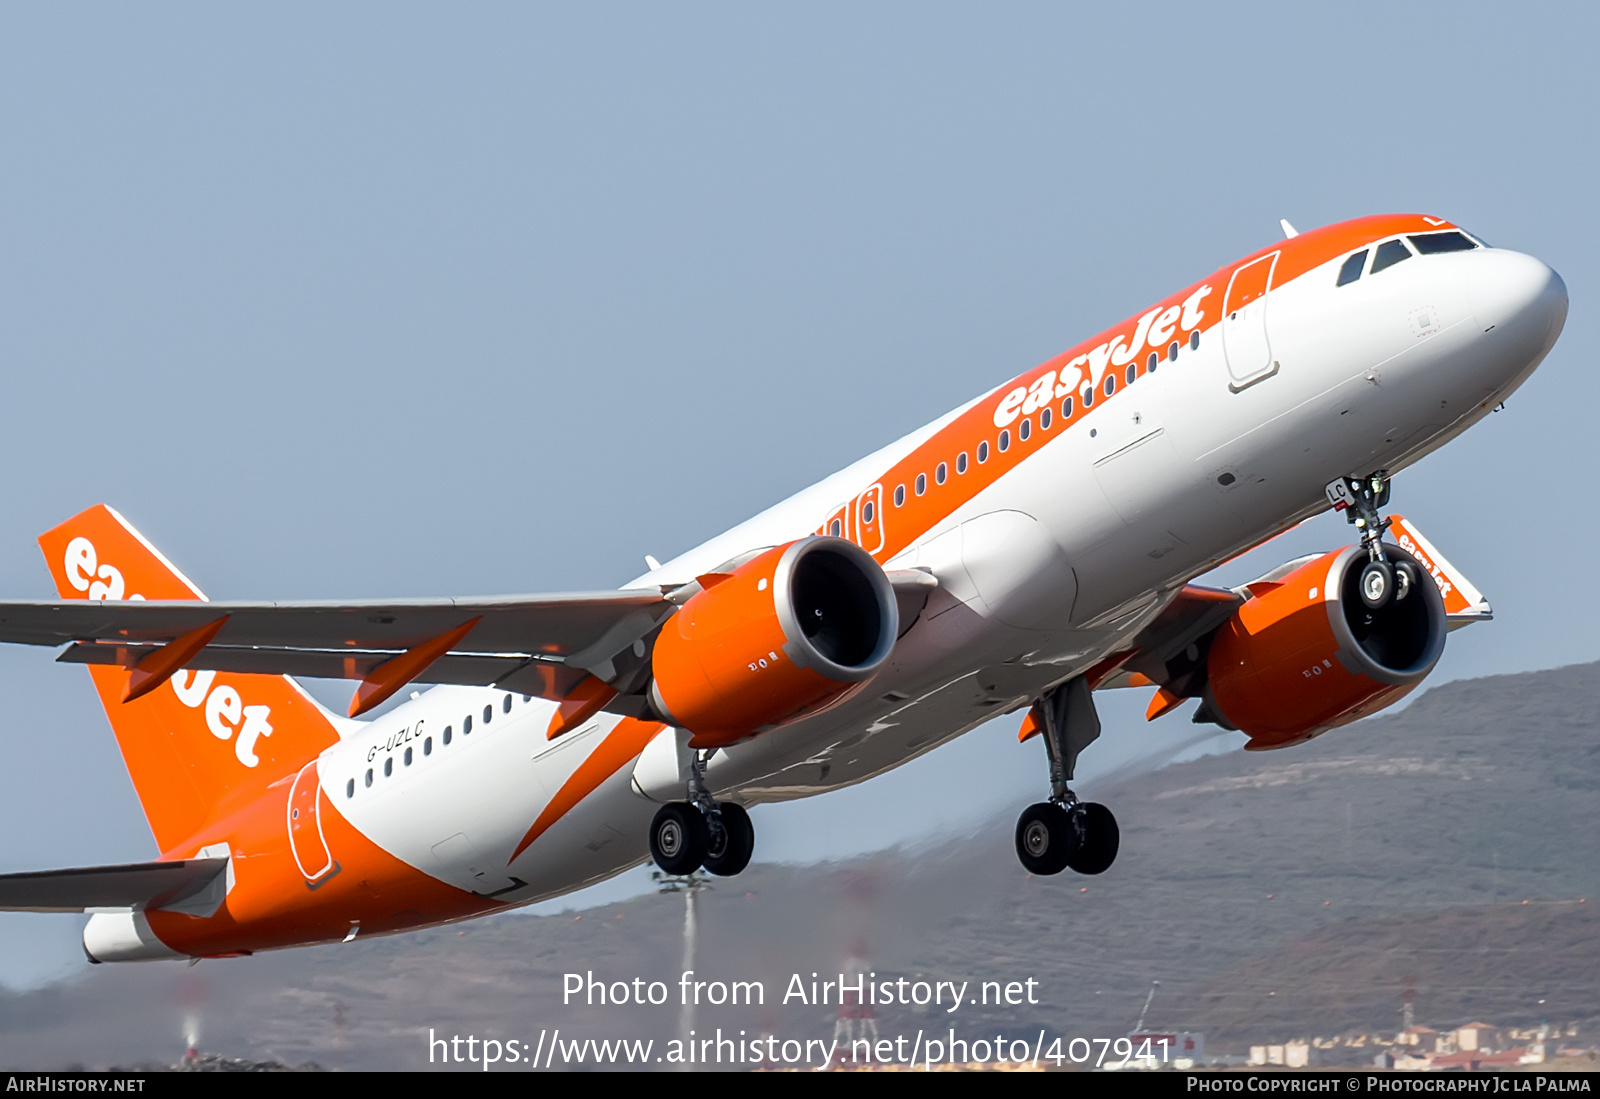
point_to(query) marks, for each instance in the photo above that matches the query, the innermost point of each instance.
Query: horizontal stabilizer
(195, 886)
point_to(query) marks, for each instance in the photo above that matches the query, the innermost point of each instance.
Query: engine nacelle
(1308, 655)
(783, 635)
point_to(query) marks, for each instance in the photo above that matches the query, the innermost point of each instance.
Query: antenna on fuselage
(1289, 231)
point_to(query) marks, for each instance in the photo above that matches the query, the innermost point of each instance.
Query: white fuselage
(1041, 573)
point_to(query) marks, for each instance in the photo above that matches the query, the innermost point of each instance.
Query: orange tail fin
(201, 743)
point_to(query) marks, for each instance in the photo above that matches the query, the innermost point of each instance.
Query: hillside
(1272, 895)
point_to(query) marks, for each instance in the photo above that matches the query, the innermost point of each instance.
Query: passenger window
(1172, 353)
(1351, 271)
(834, 528)
(488, 714)
(1432, 244)
(1025, 430)
(1066, 409)
(983, 451)
(388, 767)
(506, 705)
(1005, 441)
(408, 757)
(1389, 253)
(1133, 372)
(447, 734)
(922, 483)
(867, 512)
(427, 747)
(466, 725)
(350, 789)
(369, 776)
(899, 495)
(940, 472)
(527, 698)
(1111, 384)
(1088, 396)
(1044, 419)
(961, 462)
(1150, 363)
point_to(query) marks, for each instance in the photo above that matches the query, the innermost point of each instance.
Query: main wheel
(1377, 584)
(1045, 838)
(1097, 838)
(732, 841)
(678, 838)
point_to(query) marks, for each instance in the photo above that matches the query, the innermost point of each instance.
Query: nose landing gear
(1381, 580)
(1064, 832)
(686, 835)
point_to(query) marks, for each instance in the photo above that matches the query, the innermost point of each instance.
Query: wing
(1161, 653)
(123, 604)
(535, 644)
(1464, 604)
(542, 645)
(1170, 653)
(187, 885)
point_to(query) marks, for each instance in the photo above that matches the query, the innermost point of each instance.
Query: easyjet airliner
(1027, 549)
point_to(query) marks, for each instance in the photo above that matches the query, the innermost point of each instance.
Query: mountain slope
(1272, 895)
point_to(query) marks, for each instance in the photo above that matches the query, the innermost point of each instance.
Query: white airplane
(1028, 548)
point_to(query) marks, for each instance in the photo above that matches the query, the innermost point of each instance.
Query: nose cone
(1518, 300)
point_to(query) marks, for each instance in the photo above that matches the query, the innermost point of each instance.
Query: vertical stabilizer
(202, 742)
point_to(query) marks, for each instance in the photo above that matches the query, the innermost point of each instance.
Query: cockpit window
(1390, 252)
(1432, 244)
(1351, 271)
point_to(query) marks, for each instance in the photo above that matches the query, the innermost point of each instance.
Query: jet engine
(1308, 654)
(782, 635)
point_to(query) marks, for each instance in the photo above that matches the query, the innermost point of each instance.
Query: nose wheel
(1382, 581)
(1063, 832)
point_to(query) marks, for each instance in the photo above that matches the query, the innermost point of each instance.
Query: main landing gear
(1063, 831)
(688, 835)
(1382, 581)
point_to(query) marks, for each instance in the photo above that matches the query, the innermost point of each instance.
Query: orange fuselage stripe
(894, 527)
(620, 746)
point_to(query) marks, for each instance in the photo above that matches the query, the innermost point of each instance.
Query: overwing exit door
(1245, 342)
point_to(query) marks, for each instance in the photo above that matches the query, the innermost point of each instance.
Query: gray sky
(379, 300)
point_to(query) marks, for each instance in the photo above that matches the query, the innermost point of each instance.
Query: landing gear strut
(686, 835)
(1381, 581)
(1063, 831)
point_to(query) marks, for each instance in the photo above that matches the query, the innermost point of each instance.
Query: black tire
(1377, 584)
(1098, 838)
(1406, 575)
(732, 841)
(1045, 838)
(678, 838)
